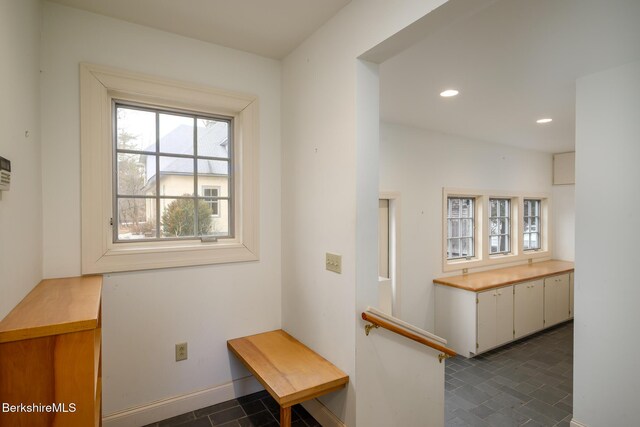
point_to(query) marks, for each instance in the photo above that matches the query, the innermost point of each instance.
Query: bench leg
(285, 417)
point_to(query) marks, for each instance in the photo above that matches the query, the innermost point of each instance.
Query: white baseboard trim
(171, 407)
(322, 414)
(575, 423)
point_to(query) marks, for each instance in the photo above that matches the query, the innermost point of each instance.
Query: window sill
(143, 257)
(449, 266)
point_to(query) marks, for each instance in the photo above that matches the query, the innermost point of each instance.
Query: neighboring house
(177, 173)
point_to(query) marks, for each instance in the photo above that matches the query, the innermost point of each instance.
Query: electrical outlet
(181, 351)
(333, 263)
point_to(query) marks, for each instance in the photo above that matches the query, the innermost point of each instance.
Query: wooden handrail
(407, 334)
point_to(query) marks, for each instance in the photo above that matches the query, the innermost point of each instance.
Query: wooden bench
(290, 371)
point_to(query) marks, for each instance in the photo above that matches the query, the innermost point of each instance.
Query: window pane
(493, 226)
(503, 226)
(133, 172)
(493, 245)
(534, 224)
(466, 228)
(176, 134)
(177, 217)
(535, 241)
(455, 228)
(214, 173)
(213, 138)
(455, 248)
(176, 176)
(454, 208)
(466, 208)
(505, 247)
(466, 247)
(136, 129)
(493, 208)
(136, 218)
(211, 224)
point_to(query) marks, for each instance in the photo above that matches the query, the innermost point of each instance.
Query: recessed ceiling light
(542, 121)
(449, 93)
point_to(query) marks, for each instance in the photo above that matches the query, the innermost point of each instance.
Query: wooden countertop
(490, 279)
(55, 306)
(290, 371)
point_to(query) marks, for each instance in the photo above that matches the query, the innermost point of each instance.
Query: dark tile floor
(526, 383)
(255, 410)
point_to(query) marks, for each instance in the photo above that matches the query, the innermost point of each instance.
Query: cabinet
(556, 299)
(50, 346)
(571, 295)
(528, 314)
(479, 311)
(495, 318)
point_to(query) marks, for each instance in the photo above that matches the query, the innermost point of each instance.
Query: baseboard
(322, 414)
(575, 423)
(171, 407)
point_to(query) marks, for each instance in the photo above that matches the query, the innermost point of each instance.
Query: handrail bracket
(443, 356)
(369, 327)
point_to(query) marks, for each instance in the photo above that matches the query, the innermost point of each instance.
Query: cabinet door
(571, 295)
(486, 336)
(528, 308)
(504, 315)
(556, 299)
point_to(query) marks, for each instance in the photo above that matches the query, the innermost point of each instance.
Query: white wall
(329, 189)
(418, 164)
(146, 313)
(21, 207)
(606, 366)
(564, 221)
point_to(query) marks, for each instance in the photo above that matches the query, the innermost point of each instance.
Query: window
(212, 193)
(483, 228)
(531, 222)
(499, 226)
(460, 227)
(169, 173)
(162, 158)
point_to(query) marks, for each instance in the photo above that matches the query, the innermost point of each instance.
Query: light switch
(334, 263)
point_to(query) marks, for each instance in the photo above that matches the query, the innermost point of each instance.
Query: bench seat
(290, 371)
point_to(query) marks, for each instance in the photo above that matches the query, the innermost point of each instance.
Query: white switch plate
(334, 263)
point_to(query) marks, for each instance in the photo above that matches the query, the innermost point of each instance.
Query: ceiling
(513, 62)
(270, 28)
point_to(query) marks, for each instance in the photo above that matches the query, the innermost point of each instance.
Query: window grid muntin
(529, 204)
(470, 219)
(158, 154)
(506, 218)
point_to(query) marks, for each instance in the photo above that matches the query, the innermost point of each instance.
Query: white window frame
(482, 256)
(540, 226)
(509, 233)
(474, 203)
(98, 87)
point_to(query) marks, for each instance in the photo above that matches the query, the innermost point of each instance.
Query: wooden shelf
(50, 354)
(55, 306)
